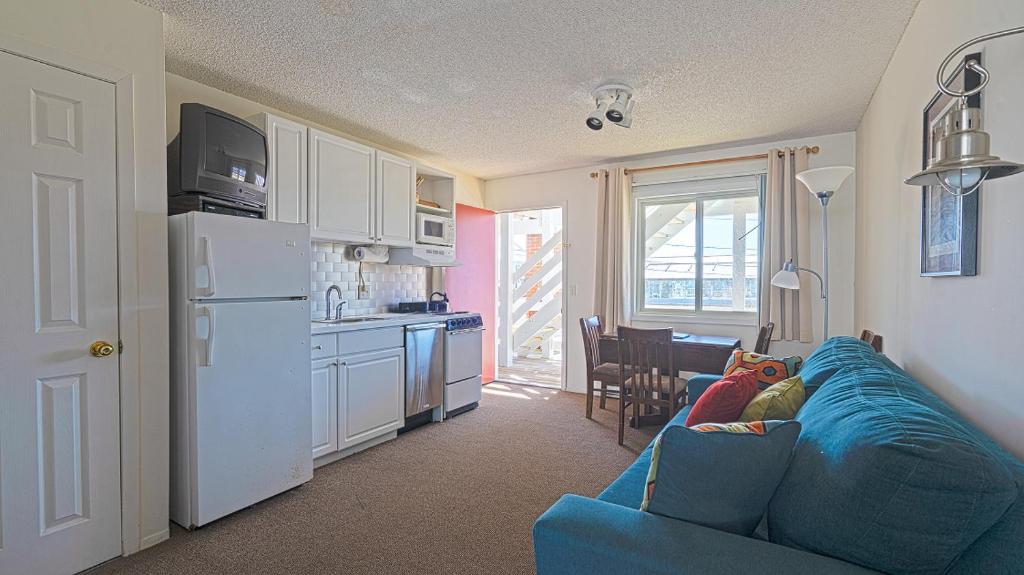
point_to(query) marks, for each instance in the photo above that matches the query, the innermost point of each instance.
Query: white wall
(128, 37)
(468, 189)
(956, 335)
(575, 190)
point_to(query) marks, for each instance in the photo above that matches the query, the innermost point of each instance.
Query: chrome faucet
(341, 306)
(327, 296)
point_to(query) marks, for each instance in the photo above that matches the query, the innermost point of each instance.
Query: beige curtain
(786, 235)
(613, 286)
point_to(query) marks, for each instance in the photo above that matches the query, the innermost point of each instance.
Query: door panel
(325, 407)
(250, 390)
(60, 509)
(286, 174)
(371, 402)
(228, 258)
(341, 189)
(396, 199)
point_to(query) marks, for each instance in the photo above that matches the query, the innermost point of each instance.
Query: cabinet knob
(318, 347)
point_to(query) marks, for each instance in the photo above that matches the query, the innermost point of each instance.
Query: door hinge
(120, 347)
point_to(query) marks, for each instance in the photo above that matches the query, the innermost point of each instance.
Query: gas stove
(465, 323)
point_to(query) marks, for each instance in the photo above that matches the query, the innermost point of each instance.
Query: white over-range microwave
(434, 229)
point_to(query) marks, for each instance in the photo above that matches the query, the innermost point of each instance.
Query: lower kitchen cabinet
(370, 399)
(357, 398)
(325, 407)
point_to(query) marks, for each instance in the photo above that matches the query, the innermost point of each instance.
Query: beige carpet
(455, 497)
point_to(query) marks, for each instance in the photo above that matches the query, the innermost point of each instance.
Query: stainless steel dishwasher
(424, 367)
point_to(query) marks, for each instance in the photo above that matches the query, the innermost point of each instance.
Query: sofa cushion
(780, 401)
(628, 489)
(835, 354)
(724, 400)
(720, 475)
(884, 477)
(770, 370)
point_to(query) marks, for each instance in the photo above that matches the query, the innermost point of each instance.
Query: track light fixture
(613, 102)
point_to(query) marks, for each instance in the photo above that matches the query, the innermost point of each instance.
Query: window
(698, 246)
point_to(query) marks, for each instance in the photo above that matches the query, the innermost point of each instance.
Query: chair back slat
(592, 329)
(764, 338)
(645, 355)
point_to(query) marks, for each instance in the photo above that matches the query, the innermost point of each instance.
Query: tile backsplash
(388, 284)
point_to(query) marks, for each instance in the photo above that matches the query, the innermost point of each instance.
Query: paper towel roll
(371, 254)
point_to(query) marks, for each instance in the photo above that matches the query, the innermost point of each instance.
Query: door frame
(566, 246)
(130, 359)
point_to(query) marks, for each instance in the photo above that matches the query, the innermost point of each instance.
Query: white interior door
(60, 503)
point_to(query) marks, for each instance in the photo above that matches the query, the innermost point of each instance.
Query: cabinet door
(396, 200)
(370, 398)
(286, 170)
(325, 407)
(341, 189)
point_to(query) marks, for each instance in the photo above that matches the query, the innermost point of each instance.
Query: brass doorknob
(101, 349)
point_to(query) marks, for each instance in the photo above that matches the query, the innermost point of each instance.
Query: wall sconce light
(960, 160)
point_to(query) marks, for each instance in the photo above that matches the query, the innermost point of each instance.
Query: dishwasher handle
(423, 326)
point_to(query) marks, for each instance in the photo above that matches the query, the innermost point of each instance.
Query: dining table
(690, 352)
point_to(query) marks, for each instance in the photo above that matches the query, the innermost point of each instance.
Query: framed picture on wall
(949, 224)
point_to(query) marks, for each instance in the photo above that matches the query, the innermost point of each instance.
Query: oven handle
(468, 330)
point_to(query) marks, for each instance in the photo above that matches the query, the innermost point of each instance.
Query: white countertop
(386, 320)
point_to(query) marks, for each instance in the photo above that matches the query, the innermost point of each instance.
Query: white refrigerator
(240, 367)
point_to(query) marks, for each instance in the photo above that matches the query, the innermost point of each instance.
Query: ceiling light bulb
(617, 110)
(595, 121)
(964, 179)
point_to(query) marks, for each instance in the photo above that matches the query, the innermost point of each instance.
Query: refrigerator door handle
(211, 319)
(211, 283)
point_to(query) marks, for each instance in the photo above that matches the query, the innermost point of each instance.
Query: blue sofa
(885, 478)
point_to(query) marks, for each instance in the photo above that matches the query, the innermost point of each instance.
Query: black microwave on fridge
(217, 163)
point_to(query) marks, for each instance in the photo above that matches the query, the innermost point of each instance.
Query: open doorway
(530, 321)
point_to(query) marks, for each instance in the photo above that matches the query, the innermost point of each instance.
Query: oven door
(463, 354)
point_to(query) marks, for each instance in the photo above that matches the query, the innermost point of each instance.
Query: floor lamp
(823, 184)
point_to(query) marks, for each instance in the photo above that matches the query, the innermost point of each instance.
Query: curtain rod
(764, 156)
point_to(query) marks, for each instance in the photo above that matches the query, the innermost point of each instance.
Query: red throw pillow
(724, 400)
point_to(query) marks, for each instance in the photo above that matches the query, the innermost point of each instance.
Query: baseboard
(153, 539)
(338, 455)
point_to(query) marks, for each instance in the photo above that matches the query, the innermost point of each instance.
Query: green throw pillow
(779, 401)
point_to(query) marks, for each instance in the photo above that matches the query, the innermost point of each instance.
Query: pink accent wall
(471, 286)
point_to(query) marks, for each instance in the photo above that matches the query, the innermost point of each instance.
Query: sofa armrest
(579, 535)
(698, 384)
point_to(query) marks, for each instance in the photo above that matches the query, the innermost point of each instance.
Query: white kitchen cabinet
(396, 200)
(287, 193)
(325, 407)
(342, 189)
(370, 399)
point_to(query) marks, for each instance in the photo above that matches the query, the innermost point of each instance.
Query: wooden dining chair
(873, 339)
(764, 338)
(597, 371)
(649, 380)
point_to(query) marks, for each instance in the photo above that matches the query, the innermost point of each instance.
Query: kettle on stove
(438, 304)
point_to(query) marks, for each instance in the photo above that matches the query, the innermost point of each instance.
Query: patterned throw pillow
(770, 370)
(724, 400)
(780, 401)
(720, 475)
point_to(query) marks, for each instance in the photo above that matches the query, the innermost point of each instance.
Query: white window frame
(691, 190)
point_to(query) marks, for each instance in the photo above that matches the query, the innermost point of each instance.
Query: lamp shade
(786, 278)
(820, 180)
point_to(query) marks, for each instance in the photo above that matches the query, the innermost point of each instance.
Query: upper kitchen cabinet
(396, 200)
(342, 198)
(286, 170)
